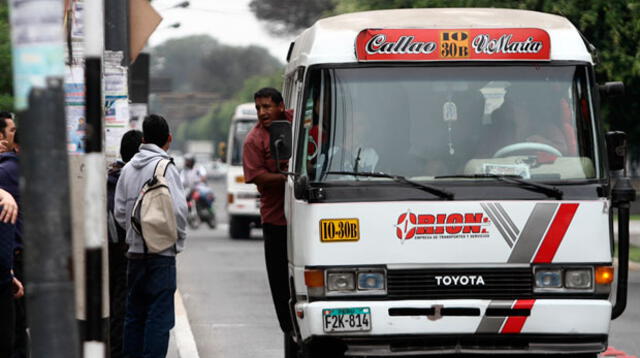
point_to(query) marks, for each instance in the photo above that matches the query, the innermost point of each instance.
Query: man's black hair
(3, 120)
(155, 130)
(130, 144)
(269, 92)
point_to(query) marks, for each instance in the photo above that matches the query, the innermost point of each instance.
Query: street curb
(185, 341)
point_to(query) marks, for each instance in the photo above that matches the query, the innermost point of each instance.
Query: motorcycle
(200, 205)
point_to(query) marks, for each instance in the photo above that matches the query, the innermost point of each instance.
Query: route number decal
(339, 230)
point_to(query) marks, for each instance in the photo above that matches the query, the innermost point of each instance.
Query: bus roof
(246, 111)
(333, 39)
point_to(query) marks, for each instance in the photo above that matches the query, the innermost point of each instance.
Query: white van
(243, 200)
(451, 188)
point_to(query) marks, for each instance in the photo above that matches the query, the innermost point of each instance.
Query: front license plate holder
(353, 319)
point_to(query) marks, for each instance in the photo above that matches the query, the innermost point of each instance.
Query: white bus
(450, 187)
(243, 200)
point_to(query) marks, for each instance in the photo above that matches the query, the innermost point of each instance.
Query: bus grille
(503, 283)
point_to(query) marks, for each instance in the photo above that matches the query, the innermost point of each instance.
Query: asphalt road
(225, 290)
(226, 293)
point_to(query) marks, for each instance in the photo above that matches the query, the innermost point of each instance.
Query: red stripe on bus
(514, 324)
(555, 234)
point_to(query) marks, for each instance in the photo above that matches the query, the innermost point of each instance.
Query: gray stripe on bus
(532, 233)
(497, 224)
(508, 218)
(503, 222)
(493, 324)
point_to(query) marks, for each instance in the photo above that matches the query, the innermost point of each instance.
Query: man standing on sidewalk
(151, 278)
(261, 169)
(129, 146)
(9, 181)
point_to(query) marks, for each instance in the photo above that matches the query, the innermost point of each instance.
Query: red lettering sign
(453, 44)
(410, 225)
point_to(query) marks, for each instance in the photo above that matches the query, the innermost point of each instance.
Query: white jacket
(132, 178)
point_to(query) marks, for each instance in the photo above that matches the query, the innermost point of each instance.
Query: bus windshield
(240, 129)
(530, 121)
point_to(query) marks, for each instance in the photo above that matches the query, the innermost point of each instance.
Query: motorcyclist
(194, 181)
(192, 175)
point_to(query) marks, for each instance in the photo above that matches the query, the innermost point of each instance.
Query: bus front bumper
(552, 326)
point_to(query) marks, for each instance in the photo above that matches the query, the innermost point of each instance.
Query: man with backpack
(149, 203)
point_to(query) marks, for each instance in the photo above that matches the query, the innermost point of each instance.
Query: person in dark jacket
(9, 181)
(10, 287)
(129, 146)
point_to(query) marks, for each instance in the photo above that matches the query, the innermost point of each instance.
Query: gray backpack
(153, 216)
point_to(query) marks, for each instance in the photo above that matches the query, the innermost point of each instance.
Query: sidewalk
(181, 341)
(173, 348)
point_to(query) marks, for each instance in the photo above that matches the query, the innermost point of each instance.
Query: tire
(239, 228)
(322, 349)
(193, 221)
(291, 348)
(212, 221)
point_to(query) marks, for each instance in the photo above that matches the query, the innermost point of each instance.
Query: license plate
(355, 319)
(339, 230)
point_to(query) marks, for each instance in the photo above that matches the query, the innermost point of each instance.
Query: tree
(215, 125)
(201, 63)
(286, 17)
(612, 26)
(6, 76)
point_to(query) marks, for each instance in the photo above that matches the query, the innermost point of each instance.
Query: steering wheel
(526, 146)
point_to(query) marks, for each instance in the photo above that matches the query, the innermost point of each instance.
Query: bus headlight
(565, 279)
(341, 281)
(548, 278)
(345, 281)
(370, 281)
(578, 278)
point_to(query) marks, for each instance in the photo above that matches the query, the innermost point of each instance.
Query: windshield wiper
(549, 190)
(400, 179)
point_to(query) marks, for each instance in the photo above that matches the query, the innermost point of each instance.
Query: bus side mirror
(611, 89)
(280, 139)
(616, 149)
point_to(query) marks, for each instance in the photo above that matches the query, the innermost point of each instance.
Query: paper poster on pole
(37, 55)
(137, 112)
(116, 102)
(74, 94)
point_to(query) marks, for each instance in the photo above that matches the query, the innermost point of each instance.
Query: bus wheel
(323, 349)
(291, 348)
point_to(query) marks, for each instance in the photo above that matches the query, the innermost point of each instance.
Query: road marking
(185, 342)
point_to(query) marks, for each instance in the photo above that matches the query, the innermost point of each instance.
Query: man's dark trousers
(20, 348)
(150, 310)
(7, 320)
(275, 252)
(118, 295)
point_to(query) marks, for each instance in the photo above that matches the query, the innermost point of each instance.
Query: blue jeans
(150, 313)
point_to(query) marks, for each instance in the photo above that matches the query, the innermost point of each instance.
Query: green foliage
(6, 76)
(201, 63)
(290, 16)
(215, 125)
(612, 26)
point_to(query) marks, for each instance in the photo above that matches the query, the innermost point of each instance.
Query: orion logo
(451, 225)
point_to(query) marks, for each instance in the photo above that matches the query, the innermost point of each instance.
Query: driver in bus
(527, 115)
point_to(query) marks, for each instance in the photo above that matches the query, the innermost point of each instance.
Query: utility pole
(38, 64)
(95, 203)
